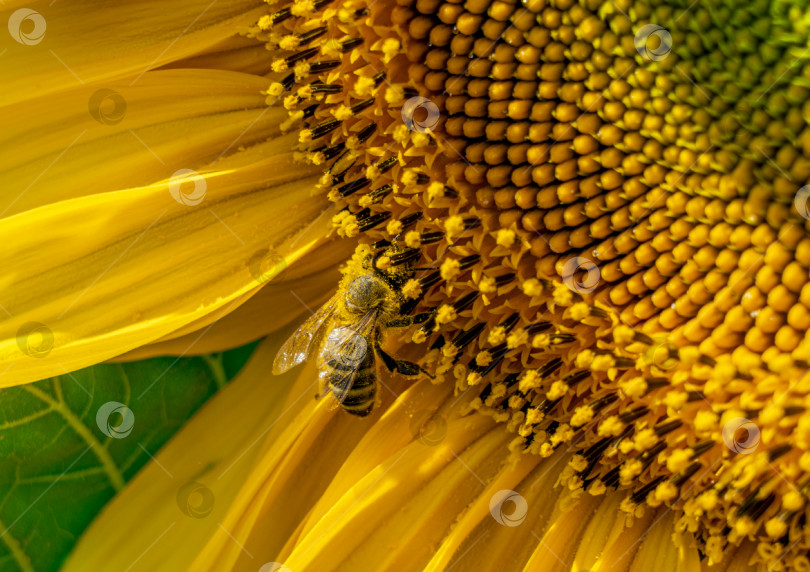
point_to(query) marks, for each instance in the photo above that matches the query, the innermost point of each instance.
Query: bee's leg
(403, 321)
(399, 366)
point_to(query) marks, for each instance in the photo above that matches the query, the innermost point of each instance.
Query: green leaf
(69, 443)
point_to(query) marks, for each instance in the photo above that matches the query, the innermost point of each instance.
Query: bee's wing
(348, 357)
(298, 346)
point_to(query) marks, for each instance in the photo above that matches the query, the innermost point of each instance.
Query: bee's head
(364, 294)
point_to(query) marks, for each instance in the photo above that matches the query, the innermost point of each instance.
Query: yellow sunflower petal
(117, 270)
(217, 450)
(662, 550)
(94, 139)
(238, 53)
(304, 285)
(58, 47)
(387, 493)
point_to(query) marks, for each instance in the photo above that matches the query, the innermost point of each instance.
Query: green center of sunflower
(612, 195)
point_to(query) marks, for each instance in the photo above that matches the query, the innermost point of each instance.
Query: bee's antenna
(425, 268)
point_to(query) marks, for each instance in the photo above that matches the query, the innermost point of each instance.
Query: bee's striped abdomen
(360, 398)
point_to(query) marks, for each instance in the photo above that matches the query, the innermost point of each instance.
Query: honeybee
(350, 328)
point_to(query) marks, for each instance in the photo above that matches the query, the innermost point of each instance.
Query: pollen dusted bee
(368, 302)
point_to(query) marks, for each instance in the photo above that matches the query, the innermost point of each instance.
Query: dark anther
(510, 322)
(328, 88)
(324, 66)
(358, 107)
(313, 34)
(302, 55)
(641, 494)
(504, 279)
(466, 337)
(549, 367)
(431, 237)
(374, 220)
(408, 255)
(380, 192)
(467, 261)
(333, 151)
(538, 327)
(324, 128)
(353, 187)
(350, 44)
(572, 379)
(288, 82)
(280, 16)
(633, 414)
(465, 301)
(366, 132)
(702, 447)
(667, 427)
(309, 111)
(410, 219)
(686, 474)
(385, 165)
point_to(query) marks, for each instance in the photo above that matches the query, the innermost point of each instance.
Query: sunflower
(602, 212)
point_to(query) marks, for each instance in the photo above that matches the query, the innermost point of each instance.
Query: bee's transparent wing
(344, 350)
(299, 345)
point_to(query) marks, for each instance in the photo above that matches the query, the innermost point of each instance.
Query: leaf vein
(103, 455)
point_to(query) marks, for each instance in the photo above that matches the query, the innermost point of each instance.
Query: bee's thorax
(364, 293)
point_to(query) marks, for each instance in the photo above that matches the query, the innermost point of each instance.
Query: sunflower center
(612, 195)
